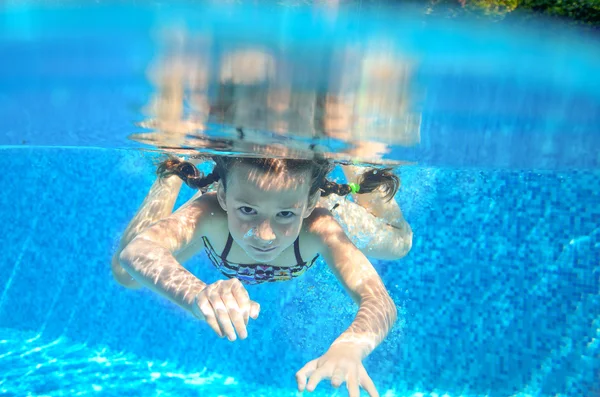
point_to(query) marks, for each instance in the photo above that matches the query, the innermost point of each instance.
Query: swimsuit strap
(297, 251)
(227, 247)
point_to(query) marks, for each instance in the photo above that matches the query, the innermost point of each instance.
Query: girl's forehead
(244, 175)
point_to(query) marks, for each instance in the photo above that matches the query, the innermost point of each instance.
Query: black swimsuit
(256, 273)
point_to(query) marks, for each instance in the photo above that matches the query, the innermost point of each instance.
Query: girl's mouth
(263, 250)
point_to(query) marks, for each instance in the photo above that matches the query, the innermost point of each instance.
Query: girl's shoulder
(320, 227)
(209, 201)
(206, 212)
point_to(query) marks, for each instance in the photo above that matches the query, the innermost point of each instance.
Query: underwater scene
(209, 198)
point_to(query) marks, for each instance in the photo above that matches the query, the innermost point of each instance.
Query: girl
(262, 223)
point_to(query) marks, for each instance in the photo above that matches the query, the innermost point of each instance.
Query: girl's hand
(226, 307)
(341, 363)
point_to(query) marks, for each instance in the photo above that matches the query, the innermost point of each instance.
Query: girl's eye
(246, 210)
(286, 214)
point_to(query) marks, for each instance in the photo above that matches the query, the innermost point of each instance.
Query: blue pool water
(499, 295)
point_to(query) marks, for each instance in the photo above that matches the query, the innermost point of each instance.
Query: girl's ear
(221, 196)
(312, 203)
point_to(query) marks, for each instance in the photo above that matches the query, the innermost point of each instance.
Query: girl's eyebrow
(293, 206)
(241, 201)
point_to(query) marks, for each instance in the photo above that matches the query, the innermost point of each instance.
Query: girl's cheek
(246, 229)
(290, 230)
(238, 226)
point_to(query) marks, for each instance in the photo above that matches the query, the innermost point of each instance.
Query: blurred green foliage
(582, 12)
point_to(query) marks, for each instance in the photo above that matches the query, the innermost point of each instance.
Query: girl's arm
(151, 257)
(377, 312)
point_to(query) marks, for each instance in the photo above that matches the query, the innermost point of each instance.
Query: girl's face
(265, 210)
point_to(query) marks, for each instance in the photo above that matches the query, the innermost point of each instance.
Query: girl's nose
(265, 232)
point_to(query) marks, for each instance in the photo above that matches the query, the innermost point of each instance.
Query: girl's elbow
(126, 256)
(120, 272)
(133, 252)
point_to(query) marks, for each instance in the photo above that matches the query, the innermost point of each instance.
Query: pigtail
(328, 187)
(371, 180)
(187, 172)
(382, 179)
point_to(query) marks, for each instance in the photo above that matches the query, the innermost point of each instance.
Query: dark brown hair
(369, 181)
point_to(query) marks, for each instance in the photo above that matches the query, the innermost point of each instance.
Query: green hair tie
(354, 187)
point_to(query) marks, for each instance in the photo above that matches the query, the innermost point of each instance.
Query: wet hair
(369, 181)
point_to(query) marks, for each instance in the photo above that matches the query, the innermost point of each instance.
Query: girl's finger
(352, 383)
(316, 378)
(209, 315)
(254, 310)
(367, 383)
(236, 315)
(222, 316)
(243, 300)
(305, 372)
(338, 377)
